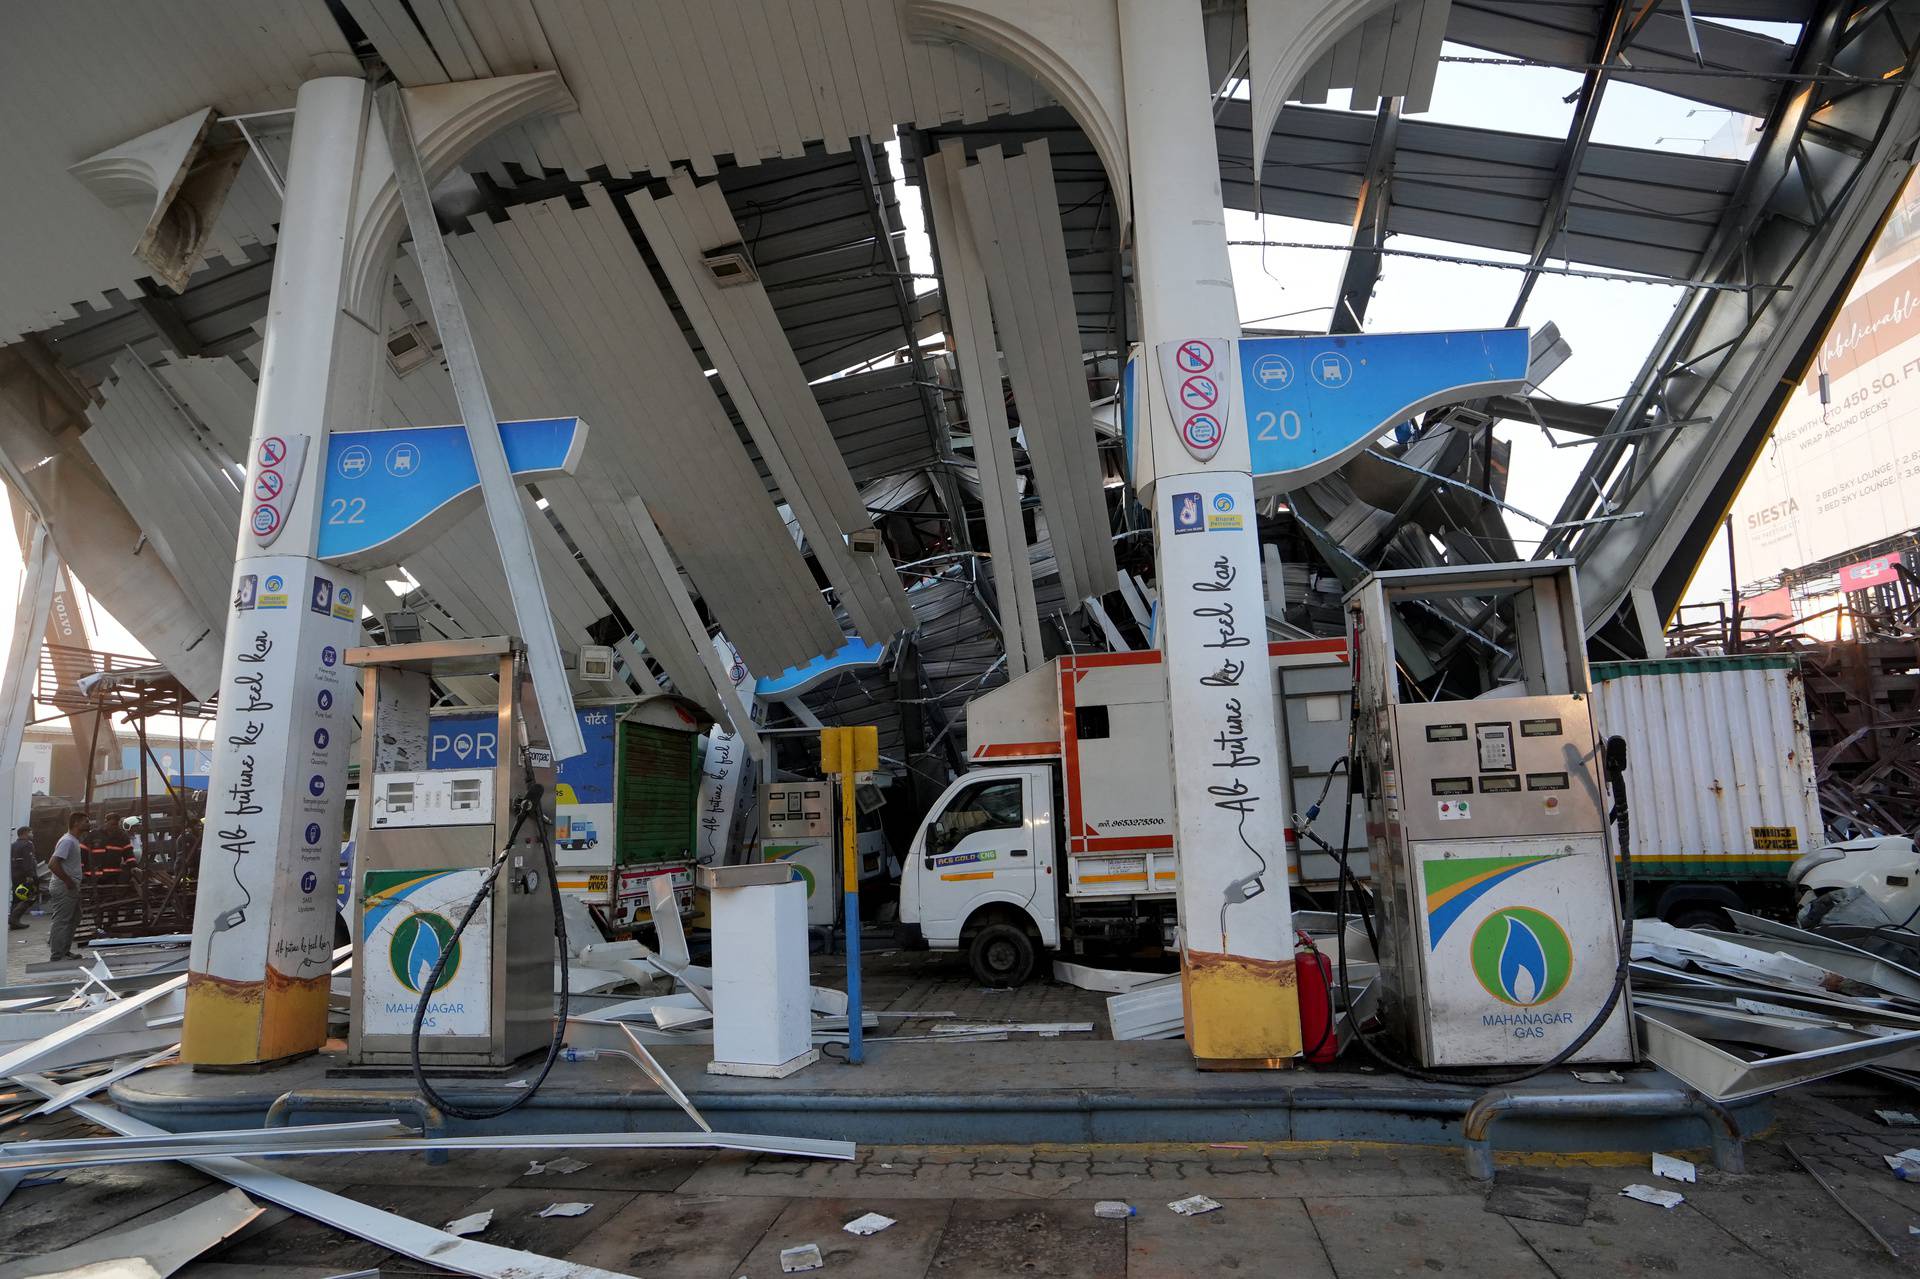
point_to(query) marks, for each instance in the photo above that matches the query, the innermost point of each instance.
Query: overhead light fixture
(596, 663)
(402, 626)
(729, 265)
(408, 348)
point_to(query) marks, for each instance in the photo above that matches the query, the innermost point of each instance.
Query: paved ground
(1307, 1210)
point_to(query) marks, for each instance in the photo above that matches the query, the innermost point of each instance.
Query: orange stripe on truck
(972, 874)
(1009, 750)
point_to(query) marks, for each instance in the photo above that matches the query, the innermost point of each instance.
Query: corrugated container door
(654, 790)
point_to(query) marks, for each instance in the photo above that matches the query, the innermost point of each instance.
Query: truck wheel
(1697, 915)
(1001, 955)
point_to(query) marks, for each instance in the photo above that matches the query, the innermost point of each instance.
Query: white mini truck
(1060, 836)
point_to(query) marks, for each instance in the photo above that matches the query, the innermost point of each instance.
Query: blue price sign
(1313, 402)
(389, 492)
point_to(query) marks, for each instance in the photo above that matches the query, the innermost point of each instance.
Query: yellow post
(846, 753)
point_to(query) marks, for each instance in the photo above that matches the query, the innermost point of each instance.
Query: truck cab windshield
(994, 805)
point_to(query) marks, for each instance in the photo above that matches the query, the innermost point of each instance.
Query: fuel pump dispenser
(1497, 910)
(427, 842)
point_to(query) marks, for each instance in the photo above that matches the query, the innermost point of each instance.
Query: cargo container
(1720, 782)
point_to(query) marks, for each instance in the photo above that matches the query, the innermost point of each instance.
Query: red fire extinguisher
(1314, 978)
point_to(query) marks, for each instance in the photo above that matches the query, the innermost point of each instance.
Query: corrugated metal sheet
(1393, 54)
(1718, 763)
(1015, 219)
(688, 81)
(741, 334)
(569, 319)
(163, 468)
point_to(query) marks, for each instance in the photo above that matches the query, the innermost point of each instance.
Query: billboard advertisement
(1839, 470)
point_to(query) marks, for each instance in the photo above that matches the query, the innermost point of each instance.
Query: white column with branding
(263, 926)
(1227, 764)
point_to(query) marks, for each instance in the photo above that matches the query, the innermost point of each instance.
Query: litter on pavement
(871, 1223)
(1658, 1198)
(800, 1259)
(471, 1224)
(566, 1210)
(1673, 1169)
(1194, 1205)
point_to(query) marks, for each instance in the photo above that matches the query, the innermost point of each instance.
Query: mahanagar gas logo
(1521, 956)
(416, 948)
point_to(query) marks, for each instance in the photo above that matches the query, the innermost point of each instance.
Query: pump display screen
(1539, 728)
(1546, 781)
(1453, 786)
(1502, 785)
(1446, 732)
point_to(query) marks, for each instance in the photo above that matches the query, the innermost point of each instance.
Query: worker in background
(26, 877)
(63, 894)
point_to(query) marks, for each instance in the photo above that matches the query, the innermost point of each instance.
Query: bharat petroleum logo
(416, 947)
(1521, 956)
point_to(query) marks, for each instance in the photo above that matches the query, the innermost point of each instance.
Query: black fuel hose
(528, 807)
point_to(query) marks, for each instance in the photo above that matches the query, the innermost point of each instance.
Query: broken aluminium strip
(258, 1143)
(389, 1230)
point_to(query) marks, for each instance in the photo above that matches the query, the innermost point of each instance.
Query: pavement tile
(1377, 1238)
(904, 1248)
(1629, 1239)
(1060, 1239)
(1791, 1222)
(679, 1236)
(1246, 1236)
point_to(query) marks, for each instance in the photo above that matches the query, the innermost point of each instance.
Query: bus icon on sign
(1331, 370)
(403, 459)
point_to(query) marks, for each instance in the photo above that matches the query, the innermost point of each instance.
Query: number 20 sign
(1311, 403)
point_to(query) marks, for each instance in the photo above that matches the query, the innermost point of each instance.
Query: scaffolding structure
(141, 853)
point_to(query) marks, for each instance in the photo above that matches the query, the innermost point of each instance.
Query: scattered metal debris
(1658, 1198)
(162, 1247)
(471, 1224)
(1045, 1029)
(1898, 1118)
(1194, 1205)
(572, 1209)
(1106, 981)
(398, 1234)
(800, 1259)
(1673, 1168)
(156, 1145)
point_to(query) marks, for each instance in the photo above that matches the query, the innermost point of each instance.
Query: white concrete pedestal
(762, 1013)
